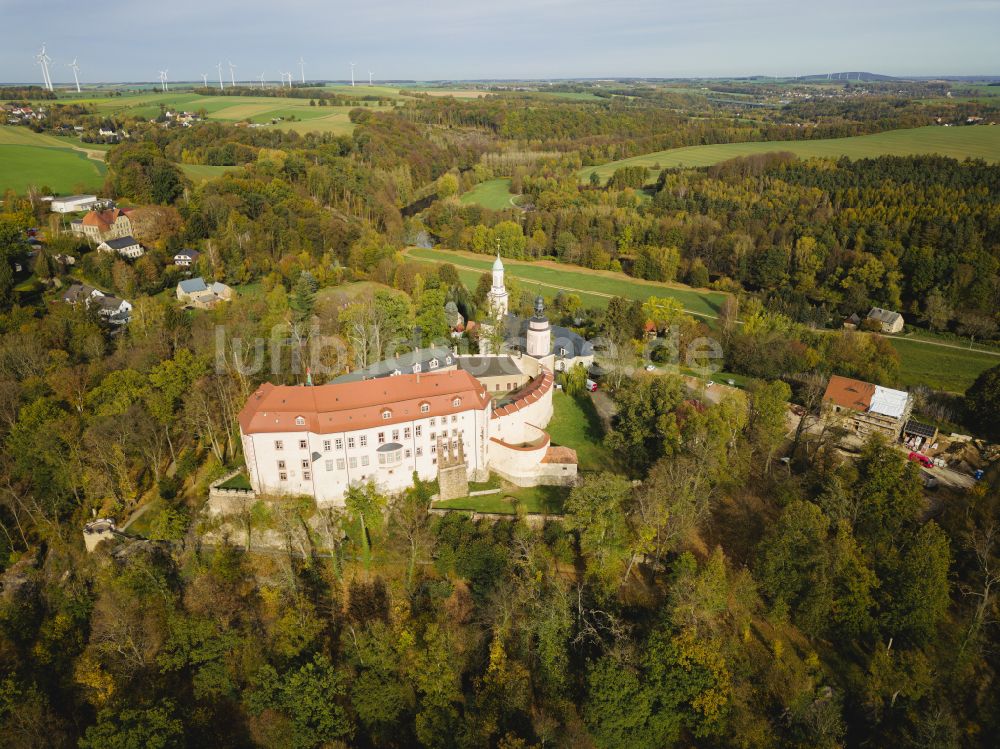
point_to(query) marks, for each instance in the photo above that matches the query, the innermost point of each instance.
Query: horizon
(542, 40)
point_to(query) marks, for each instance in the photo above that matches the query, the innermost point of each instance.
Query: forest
(721, 582)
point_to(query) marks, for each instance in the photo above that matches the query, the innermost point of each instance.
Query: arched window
(457, 402)
(386, 414)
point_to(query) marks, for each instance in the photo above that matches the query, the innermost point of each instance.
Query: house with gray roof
(891, 322)
(126, 247)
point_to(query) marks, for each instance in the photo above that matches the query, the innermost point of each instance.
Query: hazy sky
(115, 40)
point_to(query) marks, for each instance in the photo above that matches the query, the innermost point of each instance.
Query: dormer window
(447, 360)
(386, 414)
(434, 363)
(416, 368)
(425, 407)
(300, 421)
(457, 402)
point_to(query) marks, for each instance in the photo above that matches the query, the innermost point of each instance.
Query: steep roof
(885, 316)
(849, 393)
(404, 363)
(103, 220)
(193, 285)
(348, 406)
(489, 366)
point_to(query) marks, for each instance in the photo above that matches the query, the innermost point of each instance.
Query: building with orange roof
(101, 226)
(865, 408)
(320, 440)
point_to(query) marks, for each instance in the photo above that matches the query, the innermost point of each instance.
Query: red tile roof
(104, 220)
(347, 406)
(848, 393)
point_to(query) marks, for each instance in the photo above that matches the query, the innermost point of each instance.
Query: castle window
(305, 464)
(425, 407)
(457, 402)
(454, 418)
(341, 465)
(281, 465)
(340, 443)
(282, 476)
(406, 433)
(299, 421)
(395, 435)
(364, 460)
(306, 475)
(279, 445)
(447, 360)
(434, 363)
(326, 446)
(407, 453)
(416, 368)
(420, 451)
(381, 438)
(364, 440)
(387, 414)
(350, 443)
(303, 444)
(433, 422)
(418, 429)
(354, 462)
(329, 465)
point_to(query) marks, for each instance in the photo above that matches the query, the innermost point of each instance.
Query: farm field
(982, 142)
(259, 109)
(594, 287)
(32, 159)
(950, 369)
(494, 194)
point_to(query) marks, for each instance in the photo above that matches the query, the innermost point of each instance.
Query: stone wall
(229, 501)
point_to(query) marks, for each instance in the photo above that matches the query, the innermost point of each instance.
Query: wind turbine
(302, 69)
(163, 80)
(369, 78)
(289, 76)
(204, 79)
(221, 87)
(76, 74)
(261, 81)
(352, 75)
(43, 59)
(232, 73)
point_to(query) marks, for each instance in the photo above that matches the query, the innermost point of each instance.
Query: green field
(594, 287)
(494, 194)
(30, 159)
(949, 369)
(980, 142)
(203, 172)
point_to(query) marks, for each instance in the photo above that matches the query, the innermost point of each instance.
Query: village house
(186, 258)
(110, 308)
(100, 226)
(126, 247)
(865, 408)
(891, 322)
(198, 294)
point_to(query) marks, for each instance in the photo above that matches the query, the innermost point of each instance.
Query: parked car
(650, 367)
(921, 459)
(591, 386)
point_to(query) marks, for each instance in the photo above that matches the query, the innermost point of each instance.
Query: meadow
(30, 159)
(594, 287)
(494, 194)
(979, 142)
(949, 369)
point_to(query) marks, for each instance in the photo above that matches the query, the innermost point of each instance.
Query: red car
(921, 459)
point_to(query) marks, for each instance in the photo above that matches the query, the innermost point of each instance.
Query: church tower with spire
(497, 298)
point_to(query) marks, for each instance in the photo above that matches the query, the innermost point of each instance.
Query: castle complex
(449, 417)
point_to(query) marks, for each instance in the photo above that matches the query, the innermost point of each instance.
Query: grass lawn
(203, 172)
(239, 481)
(62, 170)
(595, 287)
(979, 142)
(947, 369)
(575, 424)
(534, 499)
(494, 194)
